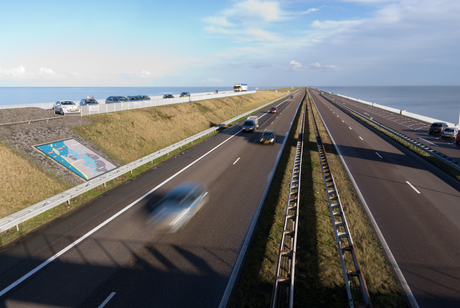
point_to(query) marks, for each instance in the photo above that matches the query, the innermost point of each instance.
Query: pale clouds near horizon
(262, 43)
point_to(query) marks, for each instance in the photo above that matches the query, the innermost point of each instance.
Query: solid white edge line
(107, 300)
(361, 138)
(57, 255)
(391, 258)
(247, 239)
(237, 160)
(412, 186)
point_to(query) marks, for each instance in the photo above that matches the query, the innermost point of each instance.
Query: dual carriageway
(121, 263)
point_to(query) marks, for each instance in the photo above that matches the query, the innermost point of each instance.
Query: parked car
(64, 107)
(274, 110)
(116, 99)
(88, 102)
(268, 137)
(185, 94)
(177, 207)
(437, 127)
(457, 140)
(168, 96)
(144, 97)
(450, 132)
(292, 96)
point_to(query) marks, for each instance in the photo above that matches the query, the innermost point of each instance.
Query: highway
(415, 205)
(104, 255)
(413, 128)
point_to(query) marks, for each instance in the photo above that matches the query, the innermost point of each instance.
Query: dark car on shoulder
(185, 94)
(88, 102)
(168, 96)
(116, 99)
(139, 98)
(438, 127)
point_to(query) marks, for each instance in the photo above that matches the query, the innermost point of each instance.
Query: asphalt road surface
(416, 206)
(413, 128)
(104, 255)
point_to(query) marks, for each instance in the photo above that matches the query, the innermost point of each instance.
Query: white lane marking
(237, 160)
(360, 138)
(350, 127)
(106, 300)
(428, 141)
(378, 155)
(343, 121)
(60, 253)
(413, 187)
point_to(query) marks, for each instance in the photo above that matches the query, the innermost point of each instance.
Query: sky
(219, 43)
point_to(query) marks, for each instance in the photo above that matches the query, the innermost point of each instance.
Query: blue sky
(220, 43)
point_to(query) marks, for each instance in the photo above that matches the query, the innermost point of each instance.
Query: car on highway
(185, 94)
(292, 96)
(437, 127)
(250, 124)
(274, 110)
(116, 99)
(177, 207)
(450, 132)
(268, 137)
(457, 140)
(168, 96)
(88, 102)
(64, 107)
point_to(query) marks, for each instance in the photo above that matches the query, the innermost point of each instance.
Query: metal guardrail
(442, 157)
(283, 288)
(354, 280)
(43, 206)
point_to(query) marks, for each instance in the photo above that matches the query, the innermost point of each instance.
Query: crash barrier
(114, 107)
(283, 288)
(398, 111)
(442, 157)
(358, 295)
(43, 206)
(158, 99)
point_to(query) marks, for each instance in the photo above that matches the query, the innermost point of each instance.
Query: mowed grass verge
(130, 135)
(127, 135)
(319, 281)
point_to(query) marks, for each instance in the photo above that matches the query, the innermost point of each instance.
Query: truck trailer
(240, 87)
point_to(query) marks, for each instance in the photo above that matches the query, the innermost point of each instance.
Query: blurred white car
(178, 206)
(64, 107)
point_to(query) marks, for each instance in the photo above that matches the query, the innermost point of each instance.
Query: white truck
(251, 124)
(240, 87)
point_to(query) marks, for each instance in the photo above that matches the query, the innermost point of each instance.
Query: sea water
(439, 102)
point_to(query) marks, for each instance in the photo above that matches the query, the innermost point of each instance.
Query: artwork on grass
(77, 158)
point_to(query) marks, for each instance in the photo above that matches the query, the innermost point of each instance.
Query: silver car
(450, 132)
(178, 206)
(64, 107)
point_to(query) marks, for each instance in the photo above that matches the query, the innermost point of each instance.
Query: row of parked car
(63, 107)
(445, 131)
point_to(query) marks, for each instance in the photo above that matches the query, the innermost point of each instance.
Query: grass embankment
(23, 184)
(130, 135)
(319, 280)
(126, 135)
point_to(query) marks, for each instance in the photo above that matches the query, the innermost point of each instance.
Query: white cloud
(296, 65)
(20, 72)
(309, 11)
(255, 11)
(332, 24)
(327, 67)
(219, 21)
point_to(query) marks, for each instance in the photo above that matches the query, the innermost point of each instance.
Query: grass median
(319, 281)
